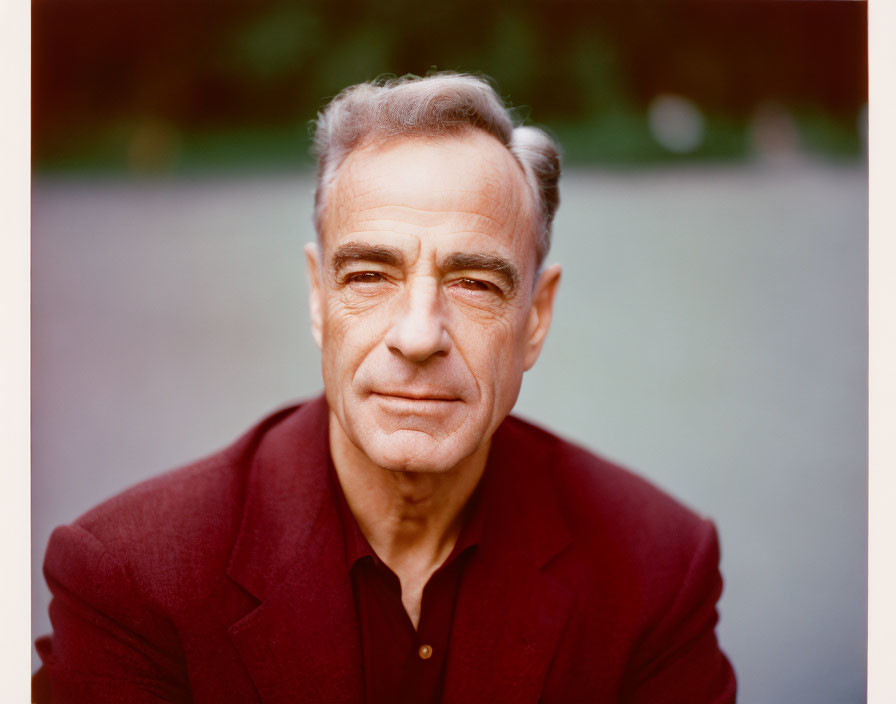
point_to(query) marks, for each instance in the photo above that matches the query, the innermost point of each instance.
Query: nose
(418, 328)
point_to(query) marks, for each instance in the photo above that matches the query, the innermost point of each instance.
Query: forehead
(467, 185)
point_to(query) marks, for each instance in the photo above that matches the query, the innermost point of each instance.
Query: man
(400, 539)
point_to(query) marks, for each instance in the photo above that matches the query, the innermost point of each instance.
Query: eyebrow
(484, 262)
(358, 251)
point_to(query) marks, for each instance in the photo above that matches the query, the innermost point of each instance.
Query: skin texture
(426, 307)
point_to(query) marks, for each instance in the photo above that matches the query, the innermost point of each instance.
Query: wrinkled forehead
(426, 177)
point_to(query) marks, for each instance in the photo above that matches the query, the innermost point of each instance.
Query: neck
(411, 519)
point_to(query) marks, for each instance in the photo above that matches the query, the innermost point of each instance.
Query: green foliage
(278, 42)
(236, 87)
(825, 134)
(360, 55)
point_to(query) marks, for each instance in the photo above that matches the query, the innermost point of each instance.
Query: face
(424, 300)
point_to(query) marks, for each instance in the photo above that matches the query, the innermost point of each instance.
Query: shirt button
(425, 652)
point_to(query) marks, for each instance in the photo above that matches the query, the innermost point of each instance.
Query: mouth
(420, 400)
(423, 396)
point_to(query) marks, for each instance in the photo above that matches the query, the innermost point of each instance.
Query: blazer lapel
(509, 613)
(301, 643)
(504, 636)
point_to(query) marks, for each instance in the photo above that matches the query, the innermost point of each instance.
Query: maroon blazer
(225, 581)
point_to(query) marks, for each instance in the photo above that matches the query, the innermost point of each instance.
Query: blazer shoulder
(186, 516)
(638, 558)
(611, 504)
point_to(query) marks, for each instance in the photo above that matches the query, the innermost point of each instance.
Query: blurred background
(711, 330)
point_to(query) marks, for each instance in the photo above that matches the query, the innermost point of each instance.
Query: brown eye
(475, 285)
(365, 277)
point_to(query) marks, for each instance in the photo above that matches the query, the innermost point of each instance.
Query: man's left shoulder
(606, 504)
(638, 564)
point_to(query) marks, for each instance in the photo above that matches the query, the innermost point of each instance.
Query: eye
(365, 277)
(476, 285)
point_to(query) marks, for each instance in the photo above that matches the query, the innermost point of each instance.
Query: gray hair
(444, 103)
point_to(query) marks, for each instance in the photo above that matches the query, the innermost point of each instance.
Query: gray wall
(710, 333)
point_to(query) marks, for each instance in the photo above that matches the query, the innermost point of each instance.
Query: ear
(541, 313)
(315, 301)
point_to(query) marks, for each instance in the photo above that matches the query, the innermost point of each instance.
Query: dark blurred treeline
(180, 84)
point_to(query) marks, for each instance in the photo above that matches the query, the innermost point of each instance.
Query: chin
(411, 453)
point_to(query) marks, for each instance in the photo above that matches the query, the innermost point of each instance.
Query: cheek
(492, 352)
(341, 321)
(349, 335)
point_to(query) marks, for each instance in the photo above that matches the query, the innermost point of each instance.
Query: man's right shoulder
(188, 516)
(196, 496)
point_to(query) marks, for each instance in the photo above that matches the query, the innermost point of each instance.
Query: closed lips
(416, 396)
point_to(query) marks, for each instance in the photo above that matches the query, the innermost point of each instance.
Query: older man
(400, 539)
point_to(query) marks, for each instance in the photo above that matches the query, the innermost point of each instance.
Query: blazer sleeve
(108, 643)
(679, 660)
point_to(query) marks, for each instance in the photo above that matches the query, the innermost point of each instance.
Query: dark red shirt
(403, 665)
